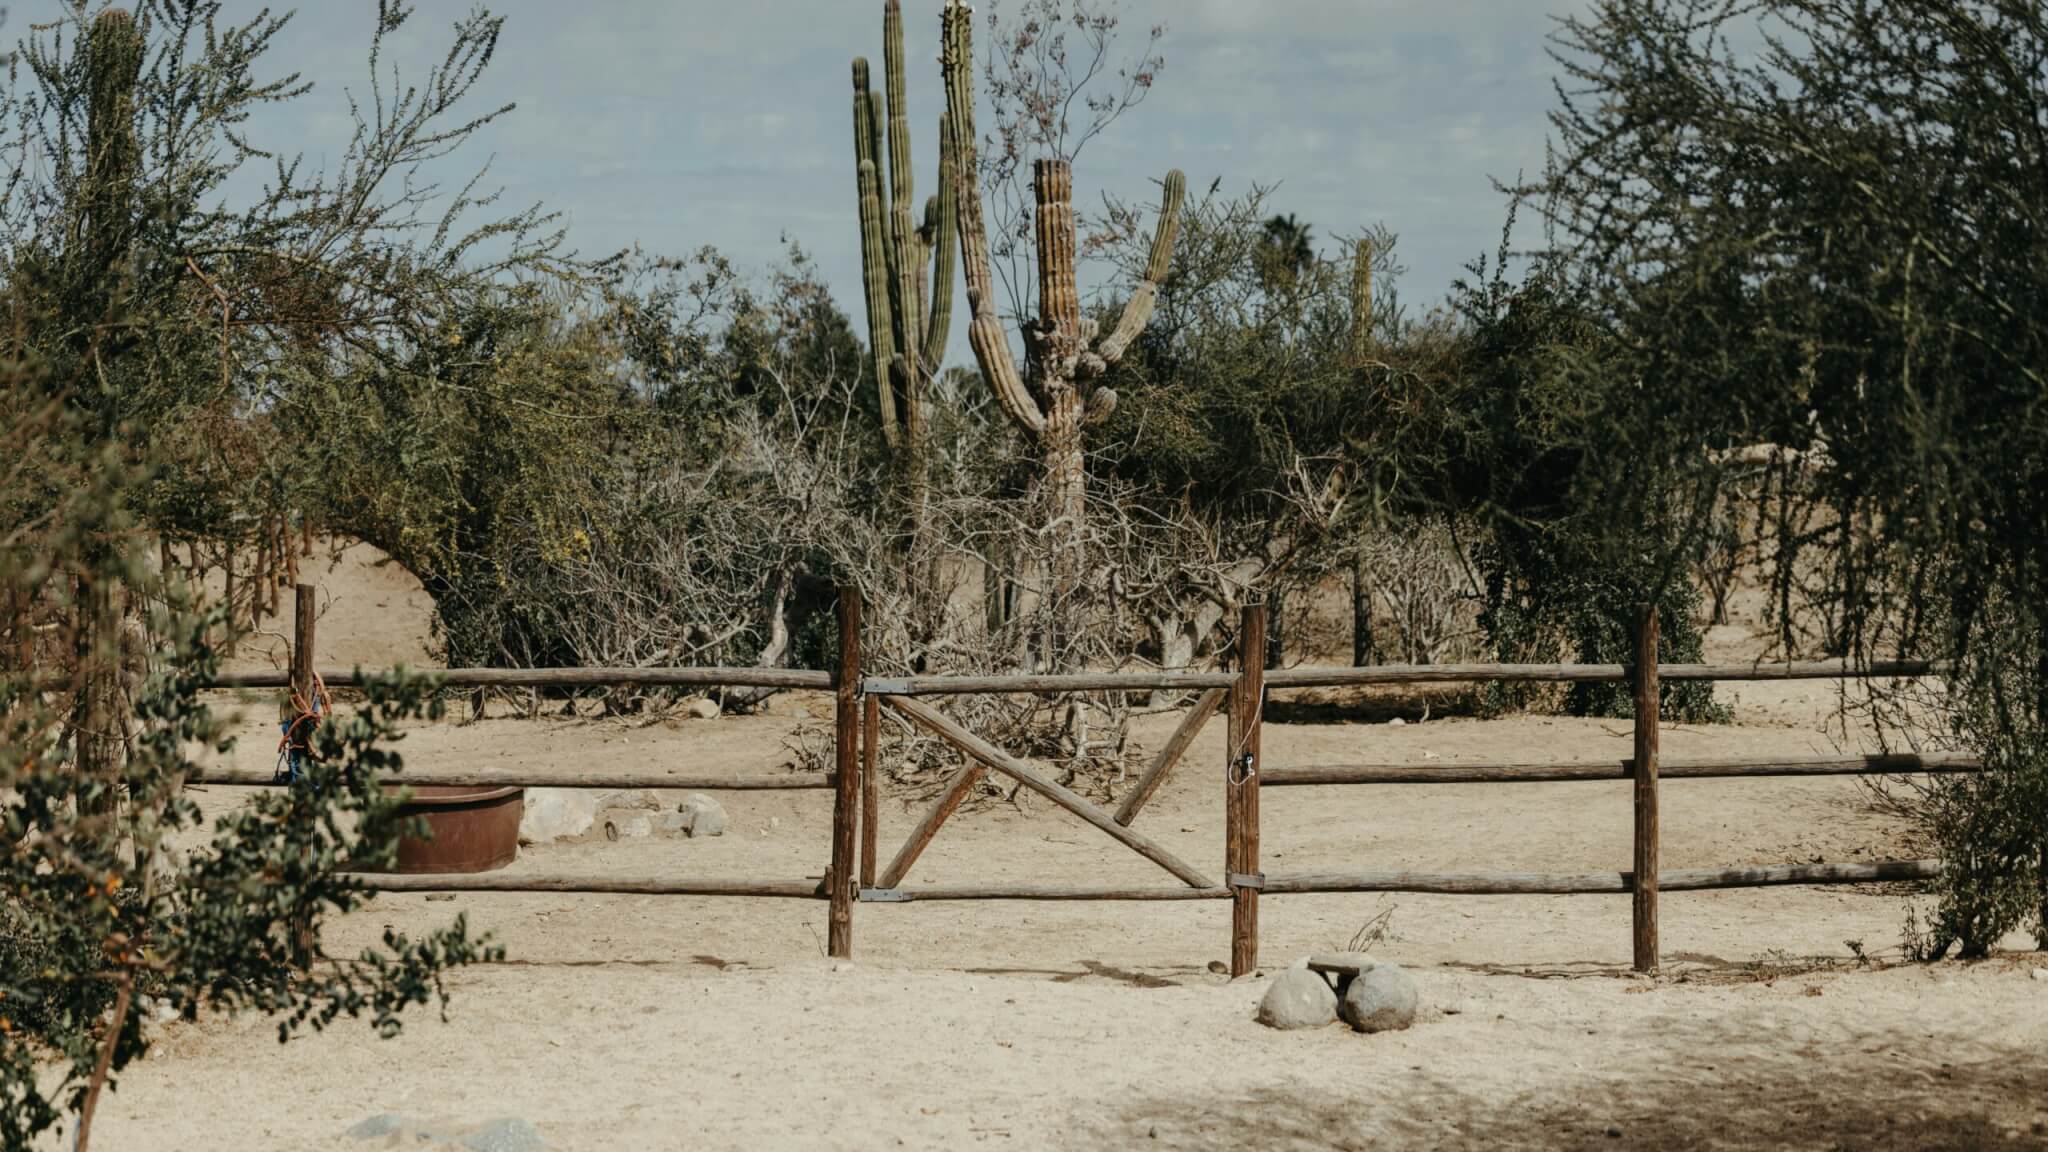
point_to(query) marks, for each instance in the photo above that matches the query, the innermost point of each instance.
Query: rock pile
(1370, 995)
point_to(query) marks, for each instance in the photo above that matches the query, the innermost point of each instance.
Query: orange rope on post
(297, 741)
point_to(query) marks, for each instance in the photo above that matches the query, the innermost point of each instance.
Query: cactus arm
(900, 174)
(944, 239)
(873, 249)
(1138, 309)
(1361, 303)
(906, 293)
(878, 127)
(984, 329)
(1059, 300)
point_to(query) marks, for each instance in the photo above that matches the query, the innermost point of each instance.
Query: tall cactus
(908, 317)
(1063, 359)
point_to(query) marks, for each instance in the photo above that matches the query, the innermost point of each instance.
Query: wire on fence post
(846, 801)
(1645, 774)
(1241, 790)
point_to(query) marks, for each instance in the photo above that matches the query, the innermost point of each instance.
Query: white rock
(706, 817)
(1382, 999)
(1298, 998)
(2039, 974)
(700, 708)
(1396, 722)
(556, 814)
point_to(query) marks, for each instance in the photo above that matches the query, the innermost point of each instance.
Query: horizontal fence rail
(1037, 892)
(1606, 673)
(514, 778)
(1881, 765)
(624, 886)
(1074, 682)
(1570, 883)
(1238, 696)
(794, 678)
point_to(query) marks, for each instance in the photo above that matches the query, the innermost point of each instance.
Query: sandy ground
(630, 1022)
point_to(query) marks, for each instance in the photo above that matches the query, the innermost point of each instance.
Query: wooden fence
(856, 874)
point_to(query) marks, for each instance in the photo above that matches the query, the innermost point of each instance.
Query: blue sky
(680, 123)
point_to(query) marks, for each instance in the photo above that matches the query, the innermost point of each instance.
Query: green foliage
(1822, 221)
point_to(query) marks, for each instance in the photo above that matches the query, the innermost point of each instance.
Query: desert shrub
(1823, 224)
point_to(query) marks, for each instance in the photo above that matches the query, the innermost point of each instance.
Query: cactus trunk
(1061, 397)
(908, 314)
(874, 245)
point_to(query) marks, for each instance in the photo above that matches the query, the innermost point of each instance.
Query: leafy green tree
(156, 323)
(1823, 224)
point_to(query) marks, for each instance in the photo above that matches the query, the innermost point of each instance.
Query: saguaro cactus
(1056, 394)
(908, 318)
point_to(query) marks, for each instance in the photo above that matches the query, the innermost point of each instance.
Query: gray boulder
(1298, 998)
(1382, 998)
(703, 816)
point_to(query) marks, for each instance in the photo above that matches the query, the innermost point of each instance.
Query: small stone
(698, 708)
(707, 816)
(379, 1126)
(842, 965)
(1219, 967)
(1614, 1131)
(1382, 999)
(775, 821)
(672, 824)
(2038, 974)
(1298, 998)
(509, 1134)
(1396, 722)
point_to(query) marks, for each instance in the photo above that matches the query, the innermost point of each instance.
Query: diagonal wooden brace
(957, 789)
(1190, 727)
(935, 722)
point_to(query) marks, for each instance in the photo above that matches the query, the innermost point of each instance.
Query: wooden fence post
(840, 879)
(303, 617)
(1241, 791)
(1646, 707)
(303, 654)
(870, 785)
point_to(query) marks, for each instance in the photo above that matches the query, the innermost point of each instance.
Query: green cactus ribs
(909, 309)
